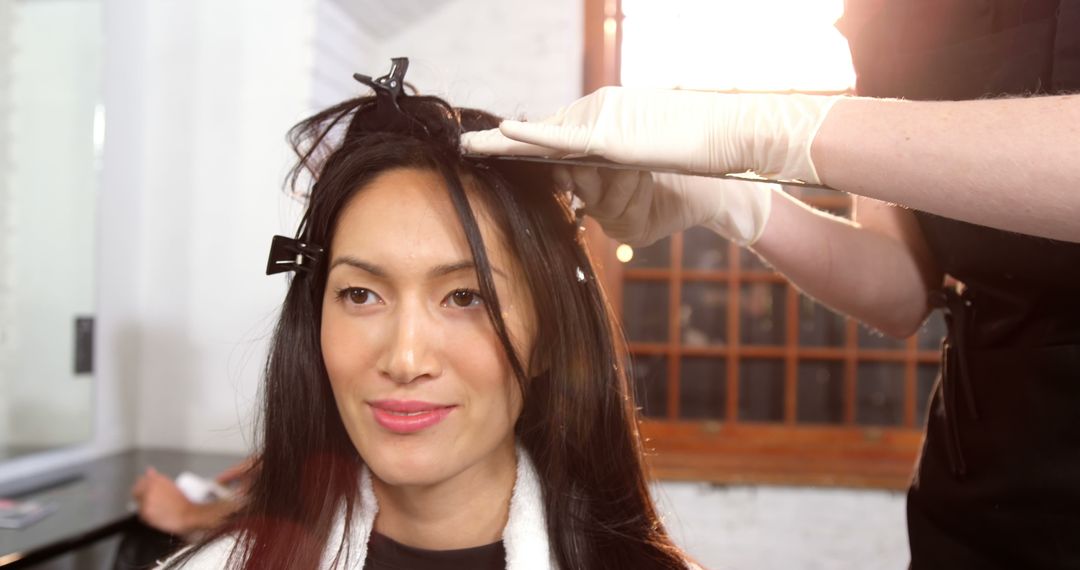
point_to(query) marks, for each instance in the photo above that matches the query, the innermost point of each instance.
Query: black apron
(998, 482)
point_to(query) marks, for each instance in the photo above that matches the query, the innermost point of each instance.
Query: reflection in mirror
(51, 132)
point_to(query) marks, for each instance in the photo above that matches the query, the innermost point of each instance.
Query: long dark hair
(578, 421)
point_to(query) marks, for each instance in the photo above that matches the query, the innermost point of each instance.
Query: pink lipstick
(408, 416)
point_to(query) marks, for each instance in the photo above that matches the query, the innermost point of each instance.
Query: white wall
(513, 57)
(225, 81)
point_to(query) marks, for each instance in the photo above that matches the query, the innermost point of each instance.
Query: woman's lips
(401, 416)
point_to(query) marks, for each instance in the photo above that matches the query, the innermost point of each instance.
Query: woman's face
(421, 381)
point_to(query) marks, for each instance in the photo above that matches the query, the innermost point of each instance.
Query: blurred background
(142, 155)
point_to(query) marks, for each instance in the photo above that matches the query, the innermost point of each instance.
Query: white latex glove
(639, 208)
(691, 131)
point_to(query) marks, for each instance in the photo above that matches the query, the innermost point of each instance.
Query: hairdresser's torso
(998, 483)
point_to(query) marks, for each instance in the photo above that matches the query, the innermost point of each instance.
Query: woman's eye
(464, 298)
(358, 296)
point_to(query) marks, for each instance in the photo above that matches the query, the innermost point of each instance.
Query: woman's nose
(411, 351)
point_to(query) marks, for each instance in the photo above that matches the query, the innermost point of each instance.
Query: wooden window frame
(731, 451)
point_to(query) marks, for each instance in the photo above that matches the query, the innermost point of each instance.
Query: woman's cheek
(347, 352)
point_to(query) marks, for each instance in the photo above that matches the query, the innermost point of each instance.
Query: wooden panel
(791, 354)
(674, 363)
(780, 454)
(734, 293)
(851, 347)
(910, 380)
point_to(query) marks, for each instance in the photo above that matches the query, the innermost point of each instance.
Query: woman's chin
(408, 468)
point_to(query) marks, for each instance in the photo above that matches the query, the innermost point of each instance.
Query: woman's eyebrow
(361, 265)
(441, 270)
(437, 271)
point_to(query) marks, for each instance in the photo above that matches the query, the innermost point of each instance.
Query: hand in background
(161, 503)
(238, 475)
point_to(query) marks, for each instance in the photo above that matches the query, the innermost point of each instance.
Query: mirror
(51, 136)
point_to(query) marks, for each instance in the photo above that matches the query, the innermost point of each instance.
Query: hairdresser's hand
(161, 503)
(690, 131)
(238, 475)
(639, 208)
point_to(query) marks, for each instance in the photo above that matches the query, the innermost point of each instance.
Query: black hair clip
(389, 90)
(289, 254)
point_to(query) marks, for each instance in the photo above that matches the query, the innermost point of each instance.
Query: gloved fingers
(493, 142)
(563, 179)
(567, 139)
(640, 218)
(619, 186)
(585, 182)
(736, 209)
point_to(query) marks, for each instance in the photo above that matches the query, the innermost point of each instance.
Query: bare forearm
(204, 517)
(1006, 163)
(869, 276)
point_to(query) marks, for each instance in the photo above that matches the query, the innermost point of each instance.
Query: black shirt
(998, 482)
(387, 554)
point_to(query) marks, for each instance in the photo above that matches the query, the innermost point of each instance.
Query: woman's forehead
(405, 216)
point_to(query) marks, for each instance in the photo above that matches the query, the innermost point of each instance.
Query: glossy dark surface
(93, 500)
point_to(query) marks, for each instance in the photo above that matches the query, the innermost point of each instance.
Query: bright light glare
(624, 253)
(751, 45)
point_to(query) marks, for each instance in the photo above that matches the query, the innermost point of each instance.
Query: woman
(998, 482)
(446, 387)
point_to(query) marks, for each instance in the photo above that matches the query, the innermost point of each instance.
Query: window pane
(761, 314)
(761, 390)
(649, 373)
(869, 338)
(703, 249)
(645, 310)
(818, 325)
(879, 394)
(702, 388)
(655, 255)
(927, 375)
(703, 315)
(932, 331)
(821, 392)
